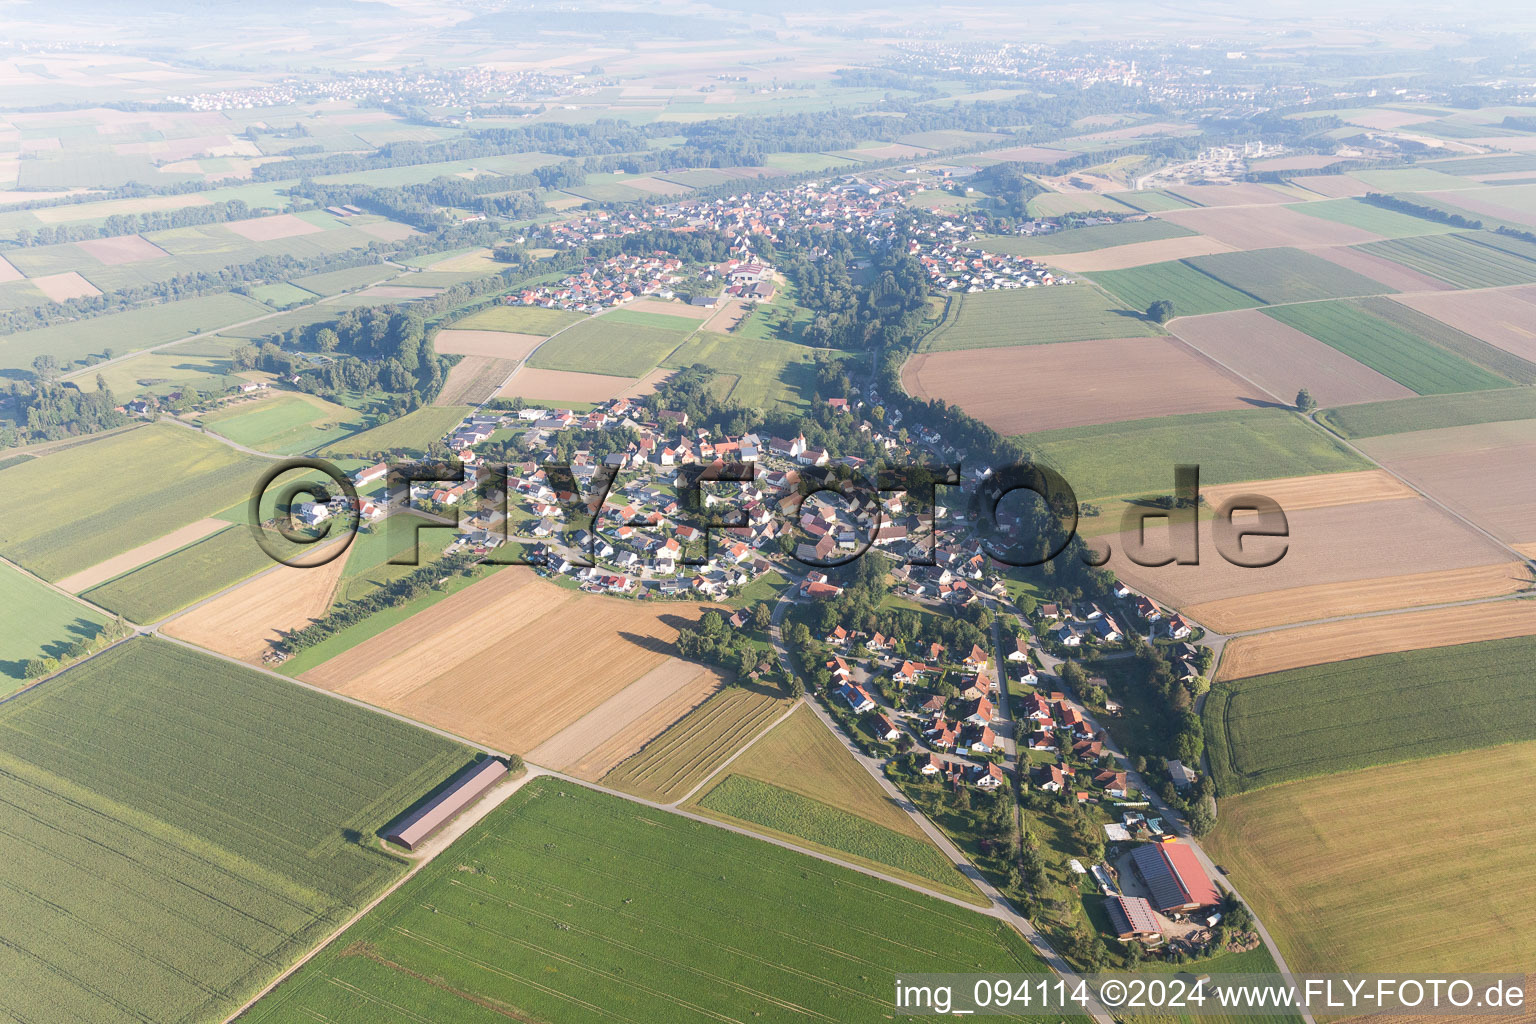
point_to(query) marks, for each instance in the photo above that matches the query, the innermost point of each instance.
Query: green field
(39, 622)
(166, 585)
(1358, 213)
(765, 375)
(336, 281)
(684, 756)
(613, 344)
(179, 830)
(1191, 291)
(127, 332)
(1137, 457)
(1285, 275)
(1058, 204)
(284, 423)
(787, 813)
(1035, 316)
(411, 432)
(569, 905)
(1387, 348)
(1353, 714)
(281, 294)
(1317, 862)
(1099, 236)
(81, 506)
(1373, 419)
(1408, 179)
(520, 320)
(1474, 350)
(1465, 259)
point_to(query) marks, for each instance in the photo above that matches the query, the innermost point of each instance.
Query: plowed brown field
(1505, 318)
(1359, 638)
(1138, 254)
(1041, 387)
(1266, 227)
(564, 385)
(1283, 360)
(1370, 556)
(495, 344)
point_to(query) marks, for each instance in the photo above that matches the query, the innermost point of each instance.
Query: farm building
(1131, 917)
(1174, 876)
(416, 827)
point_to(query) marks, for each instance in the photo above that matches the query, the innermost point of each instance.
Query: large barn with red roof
(1174, 878)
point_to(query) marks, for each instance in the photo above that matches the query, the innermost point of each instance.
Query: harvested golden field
(8, 272)
(802, 755)
(624, 723)
(1138, 254)
(1503, 317)
(243, 622)
(474, 379)
(564, 386)
(1281, 649)
(1482, 471)
(1267, 227)
(1282, 360)
(1295, 493)
(144, 553)
(509, 661)
(1027, 388)
(1330, 600)
(495, 344)
(648, 384)
(1379, 268)
(1394, 868)
(1369, 556)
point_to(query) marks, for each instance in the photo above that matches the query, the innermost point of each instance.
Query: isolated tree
(46, 367)
(1160, 311)
(1304, 401)
(1199, 820)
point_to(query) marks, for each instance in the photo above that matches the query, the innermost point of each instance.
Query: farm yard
(1191, 291)
(536, 893)
(1481, 472)
(1034, 316)
(1283, 360)
(1045, 387)
(1387, 348)
(1339, 560)
(1304, 722)
(600, 645)
(194, 478)
(683, 756)
(1339, 894)
(1282, 649)
(139, 887)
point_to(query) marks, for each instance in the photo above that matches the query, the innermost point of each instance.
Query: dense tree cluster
(48, 411)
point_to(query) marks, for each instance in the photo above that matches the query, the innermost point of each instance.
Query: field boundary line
(793, 705)
(438, 845)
